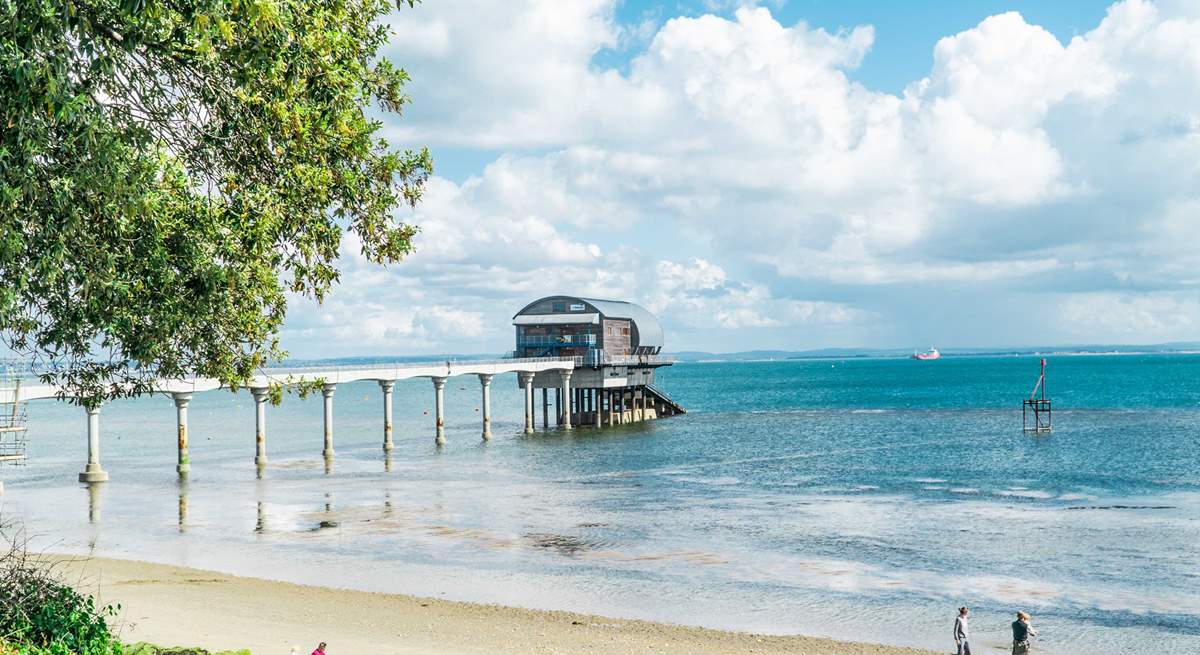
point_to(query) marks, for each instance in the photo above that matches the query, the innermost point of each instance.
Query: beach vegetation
(173, 172)
(40, 615)
(143, 648)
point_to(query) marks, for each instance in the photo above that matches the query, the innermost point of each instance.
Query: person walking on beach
(1022, 634)
(961, 632)
(320, 649)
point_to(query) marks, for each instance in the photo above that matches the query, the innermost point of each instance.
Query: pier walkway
(328, 377)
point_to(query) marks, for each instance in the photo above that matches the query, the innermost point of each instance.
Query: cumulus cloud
(1018, 164)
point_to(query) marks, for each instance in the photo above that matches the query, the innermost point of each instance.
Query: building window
(559, 307)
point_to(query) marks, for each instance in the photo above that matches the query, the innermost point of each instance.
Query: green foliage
(143, 648)
(301, 386)
(170, 170)
(41, 616)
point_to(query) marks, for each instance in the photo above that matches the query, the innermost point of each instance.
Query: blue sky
(793, 174)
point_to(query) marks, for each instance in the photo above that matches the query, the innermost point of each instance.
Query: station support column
(261, 394)
(386, 386)
(526, 380)
(92, 472)
(485, 381)
(439, 384)
(566, 395)
(181, 421)
(327, 391)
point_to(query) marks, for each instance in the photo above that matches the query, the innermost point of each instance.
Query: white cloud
(740, 144)
(698, 293)
(1115, 317)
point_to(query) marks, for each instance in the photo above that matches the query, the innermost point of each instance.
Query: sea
(859, 499)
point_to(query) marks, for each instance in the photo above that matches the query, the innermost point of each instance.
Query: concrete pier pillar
(545, 408)
(327, 391)
(566, 394)
(181, 422)
(598, 401)
(639, 405)
(261, 394)
(485, 381)
(92, 472)
(558, 406)
(439, 384)
(526, 380)
(386, 386)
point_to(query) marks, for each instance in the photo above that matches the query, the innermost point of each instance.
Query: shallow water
(861, 499)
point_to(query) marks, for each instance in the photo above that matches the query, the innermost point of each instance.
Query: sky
(791, 174)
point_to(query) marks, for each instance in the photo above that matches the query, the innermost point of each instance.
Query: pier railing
(601, 358)
(307, 368)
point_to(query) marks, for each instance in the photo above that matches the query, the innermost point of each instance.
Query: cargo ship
(932, 353)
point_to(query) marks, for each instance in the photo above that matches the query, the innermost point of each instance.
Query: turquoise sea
(861, 499)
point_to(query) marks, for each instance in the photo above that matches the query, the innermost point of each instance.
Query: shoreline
(180, 606)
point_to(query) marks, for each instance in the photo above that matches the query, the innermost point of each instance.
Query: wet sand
(176, 606)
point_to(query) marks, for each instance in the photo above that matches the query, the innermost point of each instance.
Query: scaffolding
(13, 420)
(1037, 407)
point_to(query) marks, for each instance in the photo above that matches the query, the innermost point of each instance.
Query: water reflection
(260, 524)
(387, 461)
(183, 505)
(328, 464)
(330, 521)
(95, 493)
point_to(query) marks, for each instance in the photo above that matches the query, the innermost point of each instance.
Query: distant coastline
(705, 357)
(700, 356)
(1180, 348)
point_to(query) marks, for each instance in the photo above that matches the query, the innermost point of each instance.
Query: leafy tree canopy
(171, 169)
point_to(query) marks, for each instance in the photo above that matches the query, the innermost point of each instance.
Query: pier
(593, 386)
(181, 392)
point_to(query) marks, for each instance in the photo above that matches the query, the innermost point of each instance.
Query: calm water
(862, 499)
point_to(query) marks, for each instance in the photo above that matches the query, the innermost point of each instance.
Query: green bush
(39, 615)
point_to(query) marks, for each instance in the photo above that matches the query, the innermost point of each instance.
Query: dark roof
(650, 332)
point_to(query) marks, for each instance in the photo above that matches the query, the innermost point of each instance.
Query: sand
(176, 606)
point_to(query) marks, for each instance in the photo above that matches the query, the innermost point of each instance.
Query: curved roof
(650, 332)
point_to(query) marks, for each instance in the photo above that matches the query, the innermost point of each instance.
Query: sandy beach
(171, 605)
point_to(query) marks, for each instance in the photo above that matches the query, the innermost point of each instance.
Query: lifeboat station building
(616, 347)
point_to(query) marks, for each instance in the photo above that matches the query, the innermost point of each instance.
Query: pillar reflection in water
(260, 524)
(95, 491)
(183, 505)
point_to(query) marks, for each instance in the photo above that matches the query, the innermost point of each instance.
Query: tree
(170, 170)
